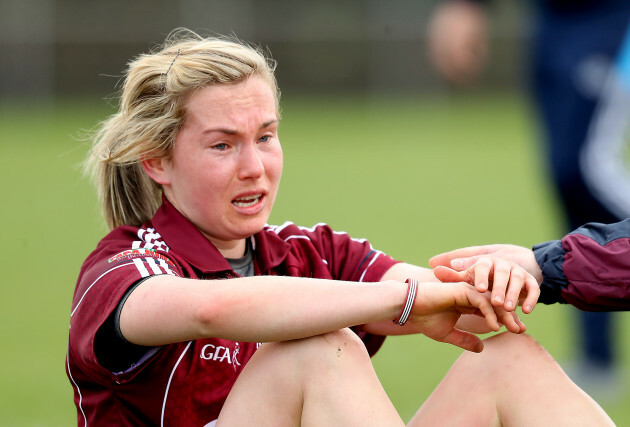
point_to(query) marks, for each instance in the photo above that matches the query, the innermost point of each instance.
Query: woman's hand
(438, 307)
(509, 283)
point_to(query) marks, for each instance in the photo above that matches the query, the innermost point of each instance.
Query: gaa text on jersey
(220, 353)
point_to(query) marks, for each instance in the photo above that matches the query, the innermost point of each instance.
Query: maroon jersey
(187, 383)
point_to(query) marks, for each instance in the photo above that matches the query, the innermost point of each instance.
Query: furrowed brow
(228, 131)
(221, 130)
(269, 123)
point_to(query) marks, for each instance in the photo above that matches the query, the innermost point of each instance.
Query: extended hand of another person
(438, 307)
(509, 271)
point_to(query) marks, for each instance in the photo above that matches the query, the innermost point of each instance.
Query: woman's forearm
(167, 309)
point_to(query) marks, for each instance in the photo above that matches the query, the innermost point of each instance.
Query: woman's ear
(157, 169)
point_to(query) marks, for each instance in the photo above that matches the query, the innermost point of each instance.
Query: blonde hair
(151, 112)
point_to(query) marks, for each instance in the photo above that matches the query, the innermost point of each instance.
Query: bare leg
(513, 382)
(327, 380)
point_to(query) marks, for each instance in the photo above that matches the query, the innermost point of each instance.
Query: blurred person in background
(194, 311)
(580, 83)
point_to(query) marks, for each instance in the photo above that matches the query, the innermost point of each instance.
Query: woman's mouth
(247, 201)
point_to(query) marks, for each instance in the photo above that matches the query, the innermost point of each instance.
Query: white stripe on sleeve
(154, 267)
(141, 268)
(165, 266)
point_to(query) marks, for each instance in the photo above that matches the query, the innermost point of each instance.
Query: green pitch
(415, 176)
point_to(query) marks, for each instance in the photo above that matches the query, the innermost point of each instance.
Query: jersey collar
(187, 241)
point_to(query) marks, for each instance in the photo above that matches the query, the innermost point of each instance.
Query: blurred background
(377, 143)
(64, 47)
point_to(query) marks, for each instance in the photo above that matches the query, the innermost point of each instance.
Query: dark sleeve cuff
(550, 257)
(113, 351)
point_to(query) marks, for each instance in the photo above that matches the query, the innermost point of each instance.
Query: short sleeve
(349, 258)
(105, 278)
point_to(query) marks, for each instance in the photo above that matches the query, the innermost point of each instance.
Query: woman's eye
(221, 146)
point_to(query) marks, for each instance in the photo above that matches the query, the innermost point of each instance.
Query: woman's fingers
(461, 259)
(521, 287)
(509, 282)
(480, 301)
(448, 275)
(482, 271)
(510, 320)
(495, 315)
(465, 340)
(532, 293)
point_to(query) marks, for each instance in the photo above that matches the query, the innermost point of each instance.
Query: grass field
(416, 177)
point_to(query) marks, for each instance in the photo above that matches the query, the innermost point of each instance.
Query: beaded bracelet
(412, 291)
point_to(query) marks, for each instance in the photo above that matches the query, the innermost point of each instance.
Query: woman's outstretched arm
(166, 309)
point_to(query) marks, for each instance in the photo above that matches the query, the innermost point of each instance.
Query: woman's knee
(292, 366)
(318, 352)
(507, 351)
(343, 342)
(332, 349)
(515, 345)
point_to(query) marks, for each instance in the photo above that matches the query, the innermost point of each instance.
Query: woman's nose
(250, 165)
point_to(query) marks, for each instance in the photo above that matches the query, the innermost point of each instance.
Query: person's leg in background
(572, 55)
